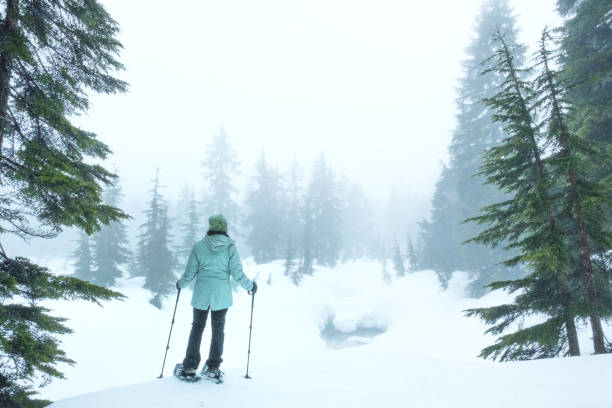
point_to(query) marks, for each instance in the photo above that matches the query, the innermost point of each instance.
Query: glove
(254, 288)
(177, 286)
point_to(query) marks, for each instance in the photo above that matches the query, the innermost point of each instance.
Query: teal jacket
(211, 262)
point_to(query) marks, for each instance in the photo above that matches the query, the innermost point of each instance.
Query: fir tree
(266, 215)
(398, 260)
(411, 256)
(220, 166)
(293, 223)
(190, 230)
(83, 266)
(459, 193)
(155, 261)
(307, 259)
(357, 225)
(52, 55)
(325, 222)
(584, 197)
(110, 245)
(587, 67)
(529, 221)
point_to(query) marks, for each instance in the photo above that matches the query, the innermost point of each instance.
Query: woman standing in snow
(211, 263)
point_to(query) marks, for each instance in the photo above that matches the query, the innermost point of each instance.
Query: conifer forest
(423, 185)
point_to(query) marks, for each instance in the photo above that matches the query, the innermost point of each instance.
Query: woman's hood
(217, 242)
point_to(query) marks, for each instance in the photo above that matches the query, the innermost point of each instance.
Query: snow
(423, 354)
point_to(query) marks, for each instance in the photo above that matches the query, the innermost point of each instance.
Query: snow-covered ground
(401, 344)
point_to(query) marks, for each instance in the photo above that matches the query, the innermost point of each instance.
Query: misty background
(371, 85)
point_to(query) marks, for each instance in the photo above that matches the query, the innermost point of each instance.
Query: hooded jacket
(211, 263)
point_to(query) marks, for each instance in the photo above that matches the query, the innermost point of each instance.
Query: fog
(370, 84)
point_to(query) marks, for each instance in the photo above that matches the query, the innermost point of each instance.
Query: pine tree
(266, 216)
(398, 260)
(110, 245)
(52, 55)
(307, 259)
(83, 266)
(529, 221)
(190, 230)
(357, 225)
(411, 256)
(155, 261)
(586, 59)
(459, 193)
(220, 166)
(290, 259)
(584, 197)
(325, 215)
(293, 223)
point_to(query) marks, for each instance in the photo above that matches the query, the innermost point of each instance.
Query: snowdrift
(343, 338)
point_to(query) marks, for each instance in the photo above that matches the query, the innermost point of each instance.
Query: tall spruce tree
(83, 260)
(293, 223)
(154, 260)
(52, 54)
(398, 259)
(586, 58)
(460, 192)
(110, 245)
(587, 66)
(190, 230)
(583, 195)
(325, 216)
(266, 214)
(529, 221)
(357, 224)
(411, 256)
(220, 167)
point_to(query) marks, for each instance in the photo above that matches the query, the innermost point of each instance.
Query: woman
(211, 263)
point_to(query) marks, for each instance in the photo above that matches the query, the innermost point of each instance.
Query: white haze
(371, 84)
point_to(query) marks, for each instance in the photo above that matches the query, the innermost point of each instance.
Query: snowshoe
(186, 374)
(212, 374)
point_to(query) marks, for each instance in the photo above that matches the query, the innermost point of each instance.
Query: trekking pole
(161, 375)
(250, 332)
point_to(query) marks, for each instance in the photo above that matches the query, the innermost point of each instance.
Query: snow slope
(425, 358)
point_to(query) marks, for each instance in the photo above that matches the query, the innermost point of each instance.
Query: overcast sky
(369, 83)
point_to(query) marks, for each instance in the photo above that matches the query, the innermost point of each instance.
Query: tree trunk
(570, 324)
(587, 269)
(7, 30)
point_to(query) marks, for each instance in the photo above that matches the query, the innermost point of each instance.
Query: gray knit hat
(217, 223)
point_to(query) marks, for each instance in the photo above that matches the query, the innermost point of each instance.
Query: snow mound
(422, 351)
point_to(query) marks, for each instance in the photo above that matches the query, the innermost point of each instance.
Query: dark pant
(192, 358)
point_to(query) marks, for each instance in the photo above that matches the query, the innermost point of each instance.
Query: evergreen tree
(293, 223)
(307, 260)
(398, 260)
(154, 260)
(530, 222)
(52, 55)
(587, 67)
(583, 196)
(459, 193)
(586, 58)
(190, 230)
(220, 166)
(83, 266)
(325, 217)
(357, 226)
(290, 259)
(110, 245)
(266, 215)
(411, 256)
